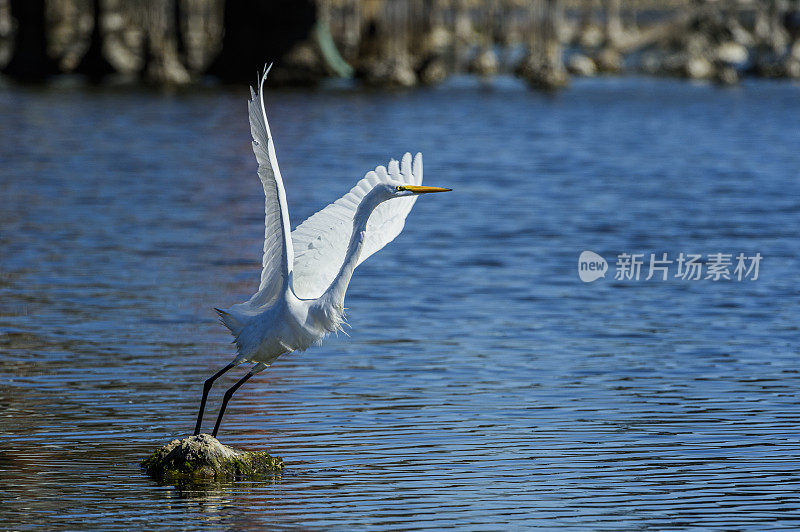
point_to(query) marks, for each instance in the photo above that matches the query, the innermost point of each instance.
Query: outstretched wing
(278, 254)
(320, 243)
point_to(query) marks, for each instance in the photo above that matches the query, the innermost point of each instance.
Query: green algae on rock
(204, 457)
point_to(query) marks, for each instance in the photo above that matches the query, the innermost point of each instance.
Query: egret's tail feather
(231, 322)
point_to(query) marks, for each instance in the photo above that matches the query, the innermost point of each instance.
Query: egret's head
(398, 190)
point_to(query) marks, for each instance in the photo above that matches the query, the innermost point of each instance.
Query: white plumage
(320, 242)
(306, 271)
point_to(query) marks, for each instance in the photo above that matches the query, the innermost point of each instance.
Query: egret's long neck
(338, 287)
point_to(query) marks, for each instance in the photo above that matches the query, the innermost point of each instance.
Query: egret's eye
(398, 188)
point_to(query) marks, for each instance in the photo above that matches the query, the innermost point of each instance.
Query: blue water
(483, 385)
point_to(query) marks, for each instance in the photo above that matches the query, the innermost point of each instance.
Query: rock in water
(204, 457)
(581, 65)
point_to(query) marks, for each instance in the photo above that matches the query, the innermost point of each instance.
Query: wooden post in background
(543, 66)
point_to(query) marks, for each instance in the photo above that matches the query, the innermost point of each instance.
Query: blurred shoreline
(397, 43)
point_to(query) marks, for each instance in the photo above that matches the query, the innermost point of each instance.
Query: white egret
(306, 271)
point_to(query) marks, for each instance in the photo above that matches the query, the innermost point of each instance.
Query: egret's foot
(204, 457)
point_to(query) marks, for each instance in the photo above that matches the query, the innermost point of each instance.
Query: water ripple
(499, 393)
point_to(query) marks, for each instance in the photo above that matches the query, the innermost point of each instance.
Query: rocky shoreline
(400, 43)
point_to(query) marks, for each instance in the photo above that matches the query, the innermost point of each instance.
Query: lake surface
(483, 385)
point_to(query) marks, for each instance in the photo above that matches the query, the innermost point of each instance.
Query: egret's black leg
(206, 389)
(229, 394)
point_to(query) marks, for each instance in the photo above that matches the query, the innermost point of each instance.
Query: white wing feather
(320, 242)
(278, 254)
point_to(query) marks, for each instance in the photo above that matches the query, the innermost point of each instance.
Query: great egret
(306, 272)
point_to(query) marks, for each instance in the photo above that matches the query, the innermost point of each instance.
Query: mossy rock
(203, 457)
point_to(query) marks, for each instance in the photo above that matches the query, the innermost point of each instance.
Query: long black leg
(230, 393)
(206, 389)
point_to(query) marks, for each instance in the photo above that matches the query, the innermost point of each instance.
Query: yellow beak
(417, 189)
